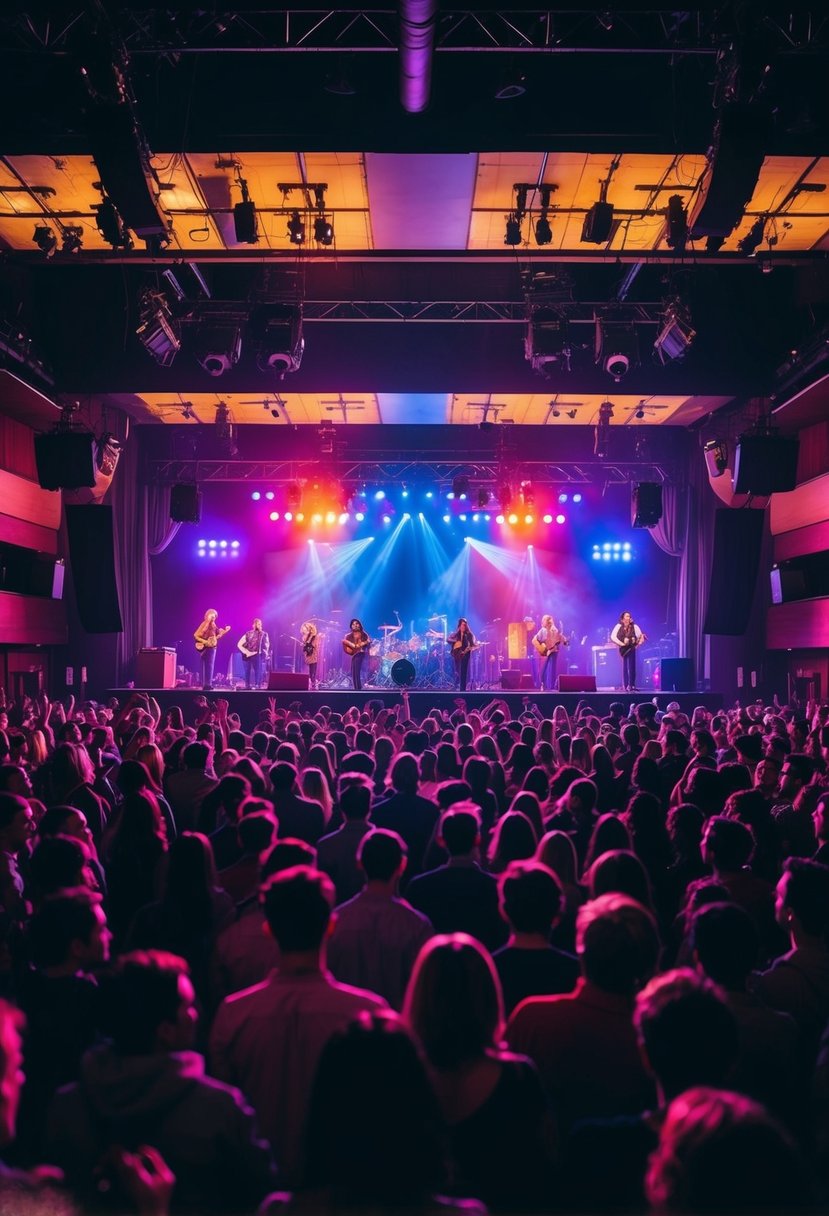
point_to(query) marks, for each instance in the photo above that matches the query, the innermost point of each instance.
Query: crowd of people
(349, 961)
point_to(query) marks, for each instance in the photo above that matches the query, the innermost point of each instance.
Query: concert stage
(249, 704)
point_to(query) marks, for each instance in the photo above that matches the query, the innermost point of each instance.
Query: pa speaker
(510, 678)
(185, 504)
(65, 460)
(576, 683)
(288, 681)
(676, 675)
(92, 558)
(646, 504)
(738, 539)
(739, 149)
(765, 464)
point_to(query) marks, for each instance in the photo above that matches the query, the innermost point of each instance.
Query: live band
(458, 646)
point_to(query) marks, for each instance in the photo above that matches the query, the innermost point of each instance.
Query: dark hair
(621, 871)
(380, 854)
(531, 897)
(285, 854)
(730, 842)
(807, 893)
(460, 828)
(55, 863)
(514, 839)
(141, 994)
(609, 833)
(54, 820)
(65, 917)
(188, 888)
(256, 831)
(617, 942)
(298, 905)
(355, 797)
(687, 1030)
(195, 755)
(10, 807)
(726, 942)
(374, 1129)
(453, 1001)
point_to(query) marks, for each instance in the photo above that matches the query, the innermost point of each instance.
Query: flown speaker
(65, 460)
(185, 504)
(765, 464)
(646, 504)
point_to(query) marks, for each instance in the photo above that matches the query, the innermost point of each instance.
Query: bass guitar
(209, 643)
(459, 650)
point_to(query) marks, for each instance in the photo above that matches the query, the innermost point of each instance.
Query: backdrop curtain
(161, 530)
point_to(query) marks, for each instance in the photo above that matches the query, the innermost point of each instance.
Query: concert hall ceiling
(414, 307)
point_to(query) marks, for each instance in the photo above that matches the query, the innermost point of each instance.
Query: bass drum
(403, 673)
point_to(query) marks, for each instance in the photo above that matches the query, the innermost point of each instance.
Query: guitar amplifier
(576, 683)
(155, 667)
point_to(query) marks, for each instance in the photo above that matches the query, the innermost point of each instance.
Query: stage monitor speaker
(526, 680)
(288, 681)
(576, 683)
(155, 667)
(738, 540)
(92, 561)
(185, 504)
(766, 464)
(676, 675)
(510, 678)
(65, 460)
(646, 504)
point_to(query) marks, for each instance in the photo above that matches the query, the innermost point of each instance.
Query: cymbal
(388, 628)
(435, 618)
(433, 633)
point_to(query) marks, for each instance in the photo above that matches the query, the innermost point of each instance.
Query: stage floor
(248, 704)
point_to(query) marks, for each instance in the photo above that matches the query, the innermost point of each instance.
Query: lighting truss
(426, 471)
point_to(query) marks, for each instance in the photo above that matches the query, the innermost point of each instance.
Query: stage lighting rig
(676, 333)
(547, 340)
(71, 238)
(276, 332)
(45, 239)
(218, 347)
(110, 225)
(753, 238)
(543, 231)
(601, 438)
(616, 347)
(676, 224)
(158, 332)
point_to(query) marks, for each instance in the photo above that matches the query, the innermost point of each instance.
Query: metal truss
(167, 31)
(512, 311)
(411, 468)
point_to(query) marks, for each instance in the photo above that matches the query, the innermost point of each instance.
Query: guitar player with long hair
(463, 643)
(207, 636)
(628, 637)
(355, 643)
(547, 642)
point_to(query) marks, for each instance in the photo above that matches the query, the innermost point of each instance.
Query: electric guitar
(355, 647)
(546, 648)
(209, 643)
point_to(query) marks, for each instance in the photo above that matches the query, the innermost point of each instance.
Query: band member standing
(310, 641)
(356, 642)
(462, 642)
(547, 642)
(207, 636)
(628, 637)
(255, 646)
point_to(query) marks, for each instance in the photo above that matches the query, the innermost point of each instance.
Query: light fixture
(293, 495)
(571, 413)
(276, 333)
(482, 498)
(640, 413)
(676, 224)
(543, 231)
(527, 493)
(753, 238)
(45, 239)
(71, 238)
(601, 438)
(616, 347)
(505, 495)
(675, 334)
(512, 233)
(460, 486)
(296, 229)
(218, 348)
(245, 220)
(547, 339)
(159, 333)
(323, 230)
(110, 225)
(598, 223)
(512, 84)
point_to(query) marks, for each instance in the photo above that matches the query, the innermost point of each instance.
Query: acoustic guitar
(628, 647)
(545, 648)
(209, 643)
(355, 647)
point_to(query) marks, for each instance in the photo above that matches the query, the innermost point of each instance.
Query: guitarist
(462, 642)
(548, 641)
(628, 637)
(207, 636)
(356, 642)
(309, 640)
(254, 646)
